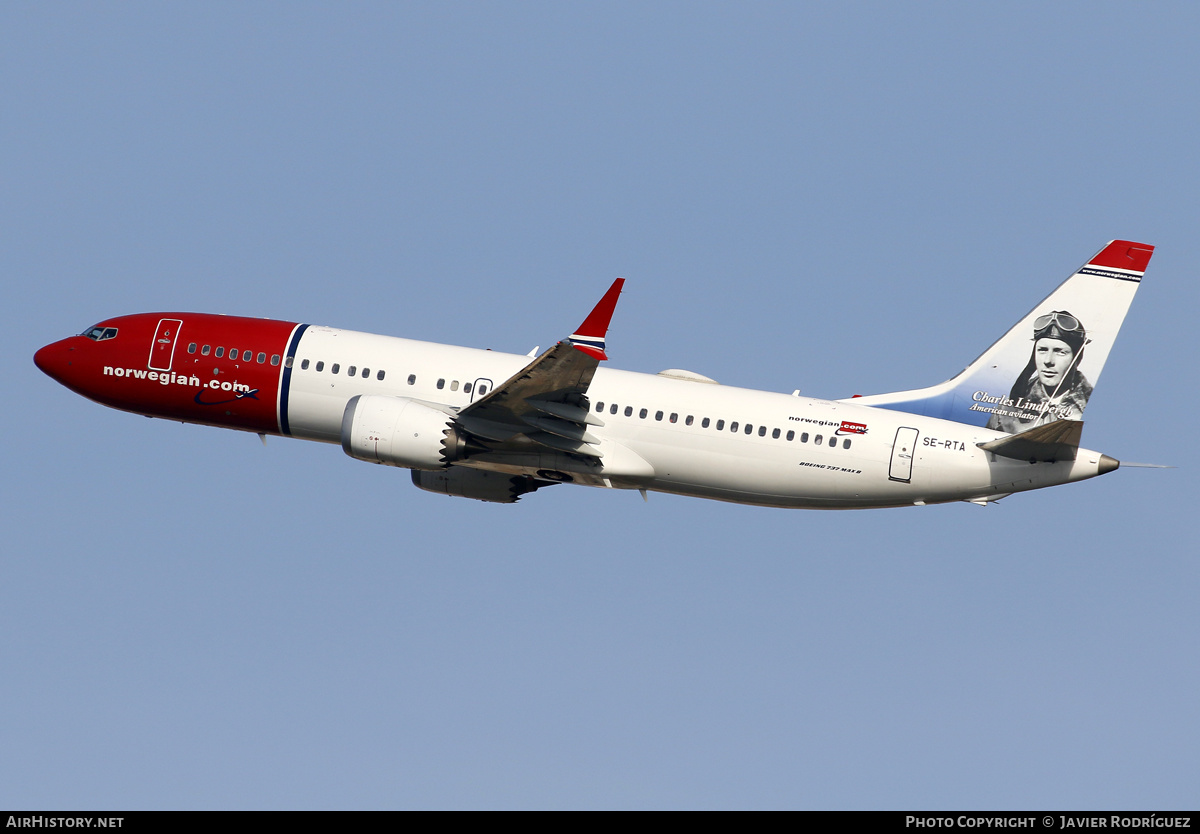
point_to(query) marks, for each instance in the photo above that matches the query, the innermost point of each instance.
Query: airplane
(496, 426)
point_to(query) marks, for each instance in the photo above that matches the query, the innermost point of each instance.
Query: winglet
(589, 337)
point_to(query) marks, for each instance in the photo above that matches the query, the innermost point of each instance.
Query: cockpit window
(99, 334)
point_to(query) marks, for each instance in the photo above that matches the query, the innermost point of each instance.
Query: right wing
(546, 403)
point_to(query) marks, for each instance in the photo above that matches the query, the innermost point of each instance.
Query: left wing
(546, 402)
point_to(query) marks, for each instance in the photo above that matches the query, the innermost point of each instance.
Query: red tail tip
(1124, 254)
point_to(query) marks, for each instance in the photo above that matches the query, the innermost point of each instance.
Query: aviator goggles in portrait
(1065, 321)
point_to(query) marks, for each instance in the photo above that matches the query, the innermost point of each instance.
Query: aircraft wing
(546, 402)
(1048, 443)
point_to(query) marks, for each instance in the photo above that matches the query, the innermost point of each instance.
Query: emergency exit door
(902, 455)
(162, 349)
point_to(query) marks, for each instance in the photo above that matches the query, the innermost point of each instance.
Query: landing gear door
(163, 348)
(902, 455)
(480, 389)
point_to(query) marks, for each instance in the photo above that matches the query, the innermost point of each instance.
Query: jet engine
(397, 431)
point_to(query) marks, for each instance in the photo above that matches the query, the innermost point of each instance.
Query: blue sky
(848, 198)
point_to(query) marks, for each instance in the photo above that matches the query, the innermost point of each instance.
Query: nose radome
(53, 359)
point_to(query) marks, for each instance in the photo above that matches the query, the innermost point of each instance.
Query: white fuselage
(674, 435)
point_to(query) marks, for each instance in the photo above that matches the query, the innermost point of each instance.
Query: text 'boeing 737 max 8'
(495, 426)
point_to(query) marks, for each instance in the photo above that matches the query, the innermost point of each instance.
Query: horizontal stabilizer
(1044, 444)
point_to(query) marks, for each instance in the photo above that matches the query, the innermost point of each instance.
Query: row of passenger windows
(466, 386)
(352, 370)
(365, 373)
(734, 426)
(247, 354)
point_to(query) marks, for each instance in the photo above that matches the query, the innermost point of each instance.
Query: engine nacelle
(397, 431)
(498, 487)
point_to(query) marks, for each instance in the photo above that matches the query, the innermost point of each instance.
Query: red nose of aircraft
(55, 360)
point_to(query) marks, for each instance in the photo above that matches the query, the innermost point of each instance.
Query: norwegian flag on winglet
(589, 337)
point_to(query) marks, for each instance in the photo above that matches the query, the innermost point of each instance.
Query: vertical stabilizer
(1045, 367)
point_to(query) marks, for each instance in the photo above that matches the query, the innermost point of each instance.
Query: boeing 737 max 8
(494, 426)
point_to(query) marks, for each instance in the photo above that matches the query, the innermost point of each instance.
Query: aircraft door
(480, 389)
(903, 451)
(162, 349)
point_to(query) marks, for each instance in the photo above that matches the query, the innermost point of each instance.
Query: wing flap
(563, 444)
(567, 412)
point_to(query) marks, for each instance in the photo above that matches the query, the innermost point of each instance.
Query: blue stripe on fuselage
(285, 386)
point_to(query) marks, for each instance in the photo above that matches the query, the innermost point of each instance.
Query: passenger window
(612, 409)
(791, 435)
(817, 440)
(658, 415)
(441, 383)
(191, 347)
(412, 380)
(233, 353)
(220, 352)
(832, 441)
(454, 385)
(274, 358)
(379, 375)
(720, 425)
(775, 434)
(290, 361)
(628, 411)
(642, 414)
(320, 367)
(733, 426)
(804, 437)
(351, 371)
(846, 443)
(304, 365)
(204, 351)
(262, 357)
(336, 367)
(674, 417)
(688, 421)
(704, 423)
(466, 385)
(599, 406)
(482, 390)
(749, 429)
(366, 373)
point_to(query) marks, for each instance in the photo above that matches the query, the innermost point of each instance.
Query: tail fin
(1044, 368)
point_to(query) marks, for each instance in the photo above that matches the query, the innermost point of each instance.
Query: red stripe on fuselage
(237, 393)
